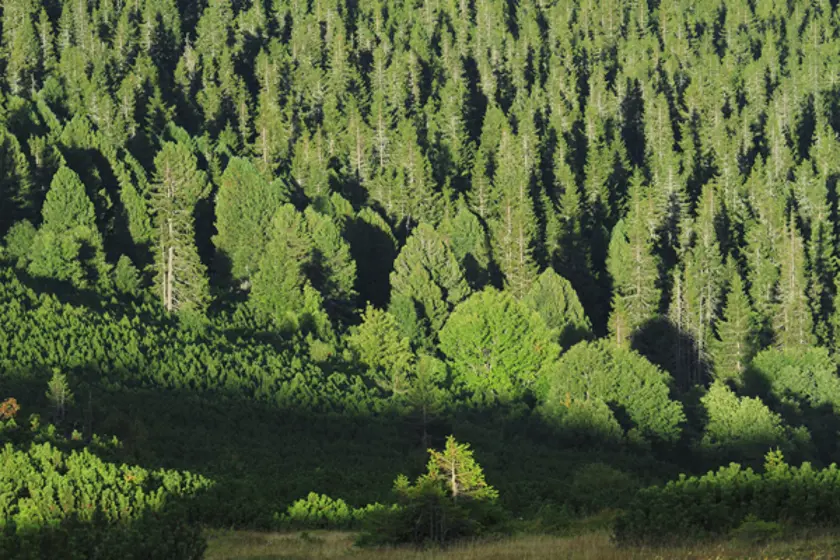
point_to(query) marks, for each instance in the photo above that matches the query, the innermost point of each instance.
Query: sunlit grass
(595, 546)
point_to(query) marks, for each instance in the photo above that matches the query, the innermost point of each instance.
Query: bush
(317, 511)
(717, 503)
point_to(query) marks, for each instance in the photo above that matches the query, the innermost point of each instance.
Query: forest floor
(593, 546)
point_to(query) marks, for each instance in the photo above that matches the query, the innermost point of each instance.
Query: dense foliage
(282, 245)
(722, 500)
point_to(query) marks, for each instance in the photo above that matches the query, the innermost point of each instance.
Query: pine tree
(736, 341)
(279, 286)
(15, 182)
(380, 346)
(333, 268)
(181, 277)
(460, 472)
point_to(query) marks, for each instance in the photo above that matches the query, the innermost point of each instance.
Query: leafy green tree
(428, 278)
(621, 378)
(496, 346)
(245, 205)
(181, 277)
(739, 427)
(553, 297)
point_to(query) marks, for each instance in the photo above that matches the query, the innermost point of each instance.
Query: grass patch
(597, 545)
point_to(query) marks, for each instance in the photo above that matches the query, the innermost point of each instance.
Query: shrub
(720, 501)
(317, 511)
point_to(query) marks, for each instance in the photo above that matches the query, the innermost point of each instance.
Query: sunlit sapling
(450, 501)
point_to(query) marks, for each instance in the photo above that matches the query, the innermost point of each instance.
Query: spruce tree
(181, 277)
(633, 267)
(245, 204)
(428, 278)
(793, 324)
(736, 341)
(68, 245)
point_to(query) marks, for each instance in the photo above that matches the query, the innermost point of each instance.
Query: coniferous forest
(420, 270)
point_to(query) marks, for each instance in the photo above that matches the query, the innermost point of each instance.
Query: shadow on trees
(262, 457)
(673, 350)
(169, 533)
(821, 420)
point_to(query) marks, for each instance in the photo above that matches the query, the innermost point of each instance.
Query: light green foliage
(553, 297)
(620, 377)
(62, 502)
(68, 245)
(428, 278)
(496, 346)
(740, 426)
(317, 511)
(245, 204)
(18, 242)
(278, 286)
(803, 377)
(126, 277)
(379, 344)
(714, 504)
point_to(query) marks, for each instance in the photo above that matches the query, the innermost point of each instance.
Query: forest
(421, 272)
